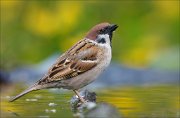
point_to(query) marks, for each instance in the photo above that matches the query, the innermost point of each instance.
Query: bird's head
(102, 32)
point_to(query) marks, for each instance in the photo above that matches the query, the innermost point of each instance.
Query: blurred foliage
(33, 30)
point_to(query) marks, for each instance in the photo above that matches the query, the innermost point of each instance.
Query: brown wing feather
(72, 70)
(79, 59)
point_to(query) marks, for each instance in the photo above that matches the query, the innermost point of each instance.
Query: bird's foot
(79, 96)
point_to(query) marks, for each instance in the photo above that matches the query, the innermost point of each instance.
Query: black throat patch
(102, 40)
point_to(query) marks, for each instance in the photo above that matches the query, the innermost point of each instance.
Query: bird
(81, 64)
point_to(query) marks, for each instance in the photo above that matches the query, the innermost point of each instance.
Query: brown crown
(92, 34)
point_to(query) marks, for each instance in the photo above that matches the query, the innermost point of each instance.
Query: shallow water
(132, 102)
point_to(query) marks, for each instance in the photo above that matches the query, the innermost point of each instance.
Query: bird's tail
(33, 88)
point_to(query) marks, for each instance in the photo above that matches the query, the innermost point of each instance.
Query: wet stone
(91, 109)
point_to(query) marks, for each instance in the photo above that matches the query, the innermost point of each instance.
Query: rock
(90, 109)
(76, 104)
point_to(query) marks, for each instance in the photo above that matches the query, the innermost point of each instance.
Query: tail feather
(34, 87)
(22, 94)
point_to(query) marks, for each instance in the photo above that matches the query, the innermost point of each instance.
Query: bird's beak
(110, 30)
(112, 27)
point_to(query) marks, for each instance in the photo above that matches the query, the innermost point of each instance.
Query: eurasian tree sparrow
(81, 64)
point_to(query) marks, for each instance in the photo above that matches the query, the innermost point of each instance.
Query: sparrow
(81, 64)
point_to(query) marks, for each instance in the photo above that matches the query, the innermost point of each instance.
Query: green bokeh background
(148, 33)
(147, 37)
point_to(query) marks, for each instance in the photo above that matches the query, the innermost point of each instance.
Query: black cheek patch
(102, 40)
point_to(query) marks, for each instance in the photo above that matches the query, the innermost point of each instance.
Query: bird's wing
(79, 59)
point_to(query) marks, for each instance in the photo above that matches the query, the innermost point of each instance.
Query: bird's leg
(80, 98)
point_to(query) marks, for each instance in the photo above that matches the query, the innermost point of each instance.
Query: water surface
(132, 102)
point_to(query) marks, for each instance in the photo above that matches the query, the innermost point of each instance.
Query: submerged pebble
(50, 111)
(52, 104)
(7, 97)
(53, 110)
(38, 96)
(31, 100)
(43, 116)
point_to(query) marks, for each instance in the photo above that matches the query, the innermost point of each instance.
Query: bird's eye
(101, 31)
